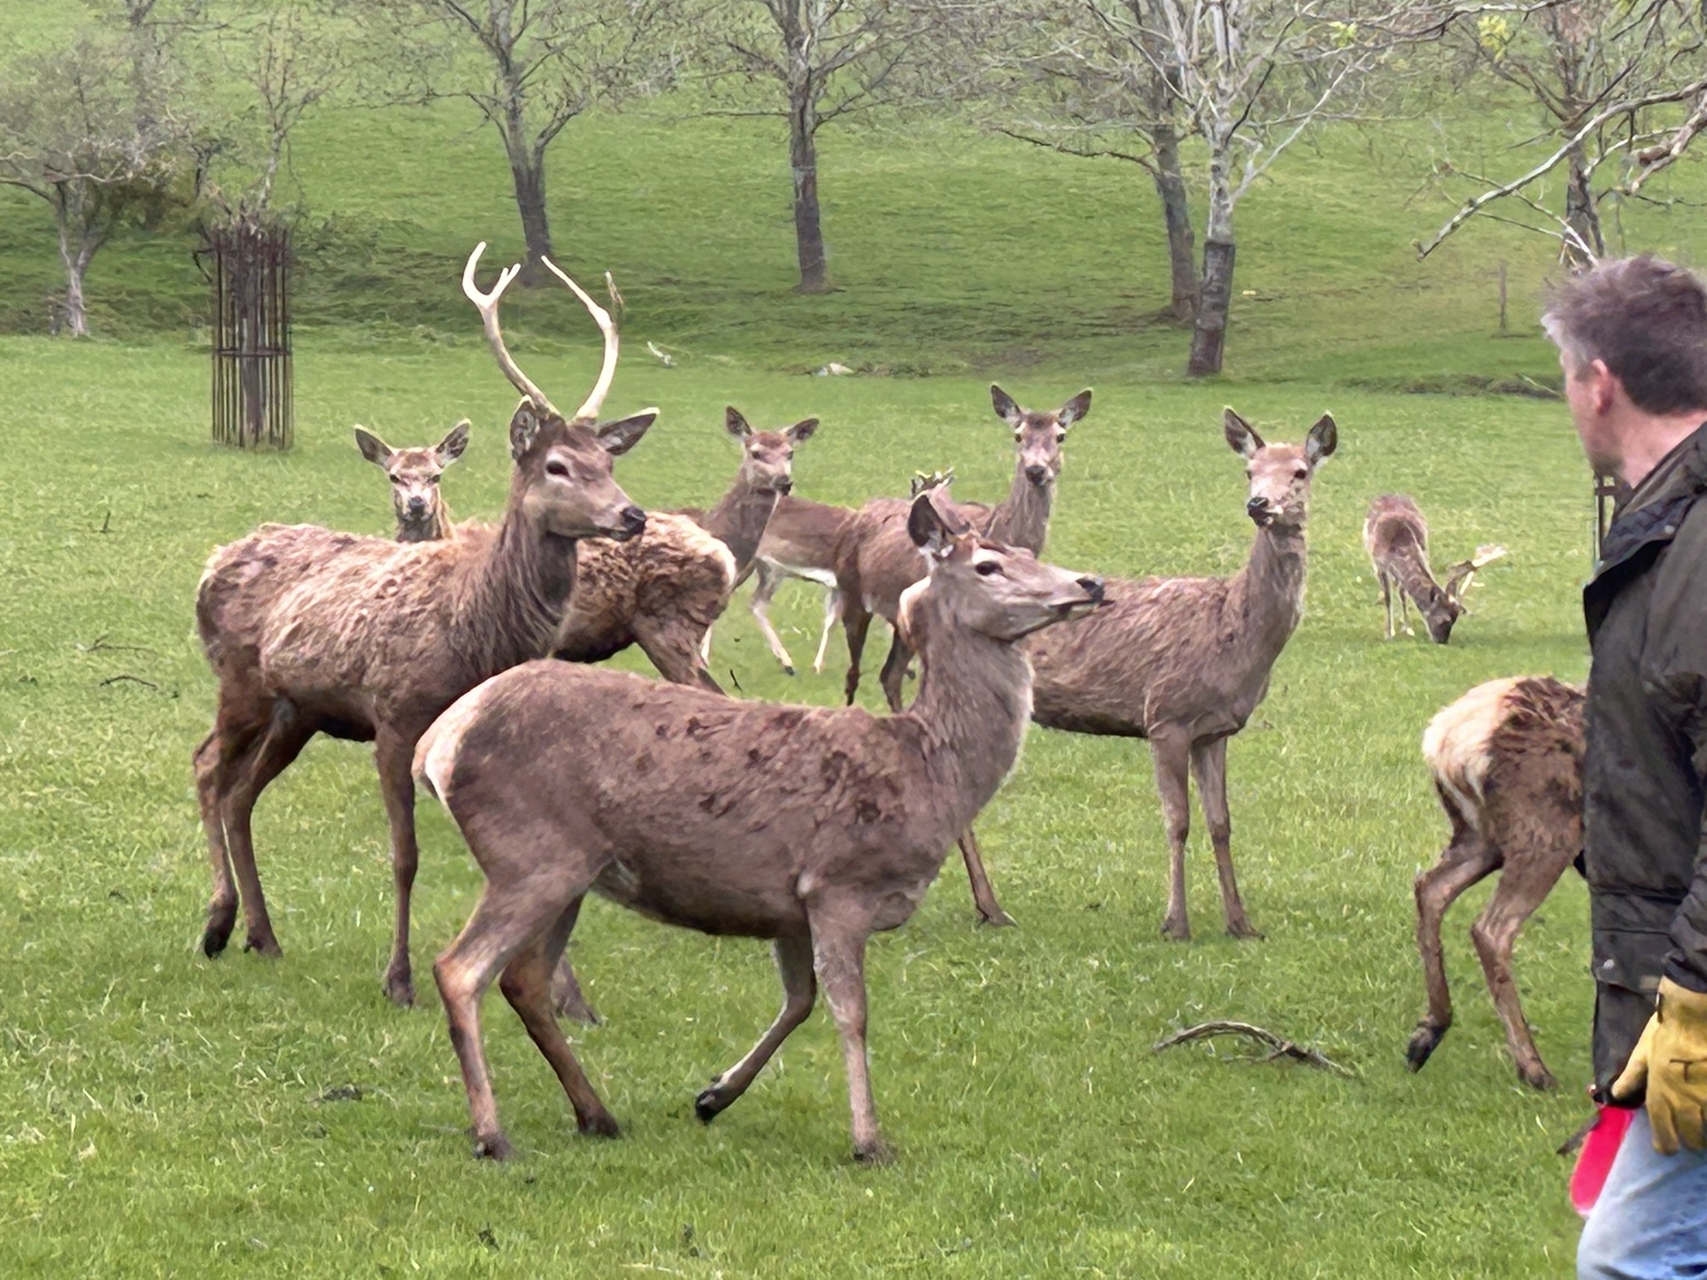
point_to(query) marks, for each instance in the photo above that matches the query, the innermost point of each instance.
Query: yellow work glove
(1671, 1060)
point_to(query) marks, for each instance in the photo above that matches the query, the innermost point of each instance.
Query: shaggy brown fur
(1396, 537)
(312, 631)
(414, 474)
(1507, 765)
(1184, 661)
(809, 826)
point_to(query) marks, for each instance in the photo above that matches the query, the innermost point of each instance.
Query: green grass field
(161, 1114)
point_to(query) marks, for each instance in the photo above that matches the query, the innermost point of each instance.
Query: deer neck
(973, 706)
(516, 597)
(1418, 583)
(1022, 518)
(738, 521)
(1268, 592)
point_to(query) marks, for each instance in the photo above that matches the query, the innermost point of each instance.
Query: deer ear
(1323, 439)
(1075, 409)
(456, 440)
(524, 426)
(802, 430)
(618, 437)
(1241, 436)
(928, 530)
(735, 424)
(1006, 409)
(373, 448)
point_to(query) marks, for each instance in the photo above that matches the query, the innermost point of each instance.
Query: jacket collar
(1654, 511)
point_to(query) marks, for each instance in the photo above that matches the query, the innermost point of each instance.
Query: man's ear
(735, 424)
(524, 426)
(373, 448)
(802, 430)
(1075, 409)
(620, 436)
(1323, 439)
(1004, 405)
(456, 440)
(1242, 437)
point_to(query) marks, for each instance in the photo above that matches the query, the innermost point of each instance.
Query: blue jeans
(1650, 1222)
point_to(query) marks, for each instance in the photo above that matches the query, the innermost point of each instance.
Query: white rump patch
(1455, 744)
(435, 753)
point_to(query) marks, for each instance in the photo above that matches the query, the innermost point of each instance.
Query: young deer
(414, 474)
(310, 631)
(810, 826)
(1507, 765)
(664, 590)
(1396, 537)
(1185, 661)
(799, 542)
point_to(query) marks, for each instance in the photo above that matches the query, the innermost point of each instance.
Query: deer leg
(856, 620)
(526, 984)
(793, 953)
(396, 783)
(222, 906)
(566, 997)
(1405, 610)
(832, 611)
(1466, 860)
(674, 651)
(1171, 754)
(983, 896)
(281, 743)
(1209, 766)
(705, 647)
(1386, 598)
(894, 673)
(1523, 885)
(838, 956)
(763, 590)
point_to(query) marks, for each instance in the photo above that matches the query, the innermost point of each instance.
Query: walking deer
(311, 631)
(810, 826)
(1396, 537)
(1507, 765)
(1185, 661)
(799, 542)
(664, 590)
(414, 474)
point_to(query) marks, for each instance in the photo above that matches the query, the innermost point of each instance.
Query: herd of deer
(459, 650)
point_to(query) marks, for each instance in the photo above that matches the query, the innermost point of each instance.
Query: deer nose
(1037, 473)
(417, 506)
(1256, 506)
(1092, 587)
(633, 521)
(785, 485)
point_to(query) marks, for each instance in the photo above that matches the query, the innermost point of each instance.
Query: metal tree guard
(251, 335)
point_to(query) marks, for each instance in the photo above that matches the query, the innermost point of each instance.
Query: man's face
(1590, 391)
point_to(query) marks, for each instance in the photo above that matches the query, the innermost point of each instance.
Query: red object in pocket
(1594, 1160)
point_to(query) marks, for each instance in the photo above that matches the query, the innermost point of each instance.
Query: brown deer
(875, 563)
(1507, 765)
(664, 590)
(811, 826)
(1185, 661)
(414, 474)
(799, 542)
(310, 631)
(1396, 537)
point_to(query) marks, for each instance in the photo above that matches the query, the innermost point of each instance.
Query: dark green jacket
(1646, 725)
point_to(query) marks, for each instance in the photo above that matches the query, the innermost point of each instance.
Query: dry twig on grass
(1279, 1047)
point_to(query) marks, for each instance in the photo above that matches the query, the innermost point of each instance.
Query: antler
(590, 409)
(935, 480)
(487, 305)
(1462, 574)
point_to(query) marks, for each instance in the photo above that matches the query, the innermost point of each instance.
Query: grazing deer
(1396, 537)
(664, 590)
(1507, 765)
(310, 631)
(1185, 661)
(810, 826)
(414, 474)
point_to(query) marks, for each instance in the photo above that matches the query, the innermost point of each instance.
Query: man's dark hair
(1647, 319)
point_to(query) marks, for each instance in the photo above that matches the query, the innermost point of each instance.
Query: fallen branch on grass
(118, 679)
(1279, 1047)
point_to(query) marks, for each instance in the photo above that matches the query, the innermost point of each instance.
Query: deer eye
(987, 567)
(1301, 473)
(556, 468)
(432, 479)
(1060, 437)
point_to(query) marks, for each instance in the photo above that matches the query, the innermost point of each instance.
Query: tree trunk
(1170, 186)
(528, 173)
(803, 160)
(1582, 214)
(1215, 297)
(76, 262)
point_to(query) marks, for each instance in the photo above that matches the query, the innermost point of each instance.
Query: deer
(812, 827)
(664, 590)
(799, 542)
(1183, 662)
(1506, 760)
(414, 474)
(1396, 537)
(314, 631)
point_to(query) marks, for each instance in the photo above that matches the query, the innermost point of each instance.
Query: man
(1632, 338)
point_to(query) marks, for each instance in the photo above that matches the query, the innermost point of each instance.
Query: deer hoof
(787, 670)
(996, 919)
(493, 1146)
(1424, 1041)
(265, 944)
(873, 1154)
(601, 1124)
(1244, 929)
(1537, 1077)
(214, 938)
(1176, 930)
(400, 989)
(709, 1105)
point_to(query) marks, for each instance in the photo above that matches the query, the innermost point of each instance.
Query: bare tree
(529, 67)
(1609, 78)
(830, 59)
(92, 128)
